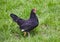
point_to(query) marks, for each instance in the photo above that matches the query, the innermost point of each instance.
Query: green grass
(48, 13)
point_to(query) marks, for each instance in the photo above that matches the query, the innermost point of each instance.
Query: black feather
(18, 20)
(26, 25)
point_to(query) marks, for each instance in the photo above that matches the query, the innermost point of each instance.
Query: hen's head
(34, 10)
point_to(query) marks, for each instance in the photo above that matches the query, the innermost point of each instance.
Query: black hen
(26, 25)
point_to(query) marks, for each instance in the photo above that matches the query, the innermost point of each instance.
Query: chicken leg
(28, 34)
(25, 33)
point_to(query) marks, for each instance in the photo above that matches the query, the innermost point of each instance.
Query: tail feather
(14, 17)
(17, 19)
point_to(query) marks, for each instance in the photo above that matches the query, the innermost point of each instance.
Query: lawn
(48, 13)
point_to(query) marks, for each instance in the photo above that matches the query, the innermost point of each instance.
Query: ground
(48, 13)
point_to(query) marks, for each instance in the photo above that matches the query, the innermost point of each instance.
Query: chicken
(26, 25)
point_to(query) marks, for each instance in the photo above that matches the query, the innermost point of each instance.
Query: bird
(26, 25)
